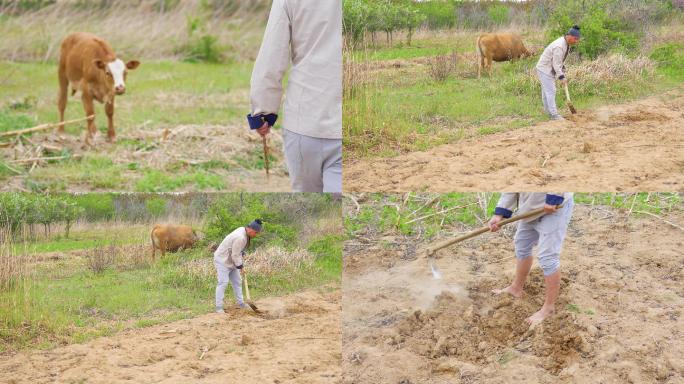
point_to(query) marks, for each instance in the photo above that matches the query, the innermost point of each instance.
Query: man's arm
(504, 209)
(273, 60)
(558, 57)
(236, 252)
(506, 204)
(553, 200)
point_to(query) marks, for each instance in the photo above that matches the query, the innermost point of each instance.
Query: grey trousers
(315, 165)
(548, 232)
(226, 275)
(548, 92)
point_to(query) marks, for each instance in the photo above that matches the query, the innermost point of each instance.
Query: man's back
(309, 33)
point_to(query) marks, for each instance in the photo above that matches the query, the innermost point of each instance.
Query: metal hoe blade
(436, 274)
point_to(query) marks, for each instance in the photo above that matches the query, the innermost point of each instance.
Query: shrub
(155, 206)
(96, 206)
(204, 49)
(438, 14)
(601, 32)
(101, 258)
(670, 58)
(202, 46)
(441, 67)
(232, 211)
(498, 14)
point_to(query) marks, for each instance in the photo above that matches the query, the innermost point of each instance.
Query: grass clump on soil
(650, 202)
(96, 172)
(670, 60)
(414, 214)
(12, 120)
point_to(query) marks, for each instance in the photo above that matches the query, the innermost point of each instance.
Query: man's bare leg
(552, 283)
(522, 269)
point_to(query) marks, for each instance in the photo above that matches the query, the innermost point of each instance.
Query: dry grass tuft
(101, 257)
(442, 67)
(612, 68)
(263, 262)
(12, 267)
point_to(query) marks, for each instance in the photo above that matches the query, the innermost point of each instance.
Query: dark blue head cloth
(256, 225)
(574, 31)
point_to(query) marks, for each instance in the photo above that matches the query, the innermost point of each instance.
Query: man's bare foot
(517, 293)
(540, 316)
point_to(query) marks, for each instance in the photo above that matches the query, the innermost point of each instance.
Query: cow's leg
(109, 109)
(480, 64)
(90, 111)
(489, 66)
(62, 98)
(153, 252)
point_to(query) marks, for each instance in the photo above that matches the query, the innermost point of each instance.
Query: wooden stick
(477, 232)
(658, 217)
(567, 98)
(266, 156)
(44, 127)
(438, 213)
(36, 159)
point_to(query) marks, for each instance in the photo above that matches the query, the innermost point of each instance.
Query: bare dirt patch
(296, 341)
(636, 146)
(617, 321)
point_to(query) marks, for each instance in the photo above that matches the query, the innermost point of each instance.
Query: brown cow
(89, 65)
(499, 47)
(172, 238)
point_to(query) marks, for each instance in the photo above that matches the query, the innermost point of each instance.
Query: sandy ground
(297, 340)
(180, 147)
(637, 146)
(618, 317)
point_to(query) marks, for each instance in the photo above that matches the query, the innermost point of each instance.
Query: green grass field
(393, 105)
(64, 301)
(160, 95)
(432, 214)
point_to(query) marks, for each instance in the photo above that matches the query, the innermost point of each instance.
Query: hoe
(430, 252)
(245, 288)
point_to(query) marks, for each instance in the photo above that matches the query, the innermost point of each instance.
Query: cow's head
(115, 73)
(197, 236)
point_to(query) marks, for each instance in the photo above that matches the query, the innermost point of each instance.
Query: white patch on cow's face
(117, 69)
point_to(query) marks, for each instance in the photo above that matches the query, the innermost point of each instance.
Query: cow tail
(478, 51)
(152, 239)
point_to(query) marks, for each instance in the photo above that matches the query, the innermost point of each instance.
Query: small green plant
(10, 121)
(670, 59)
(201, 46)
